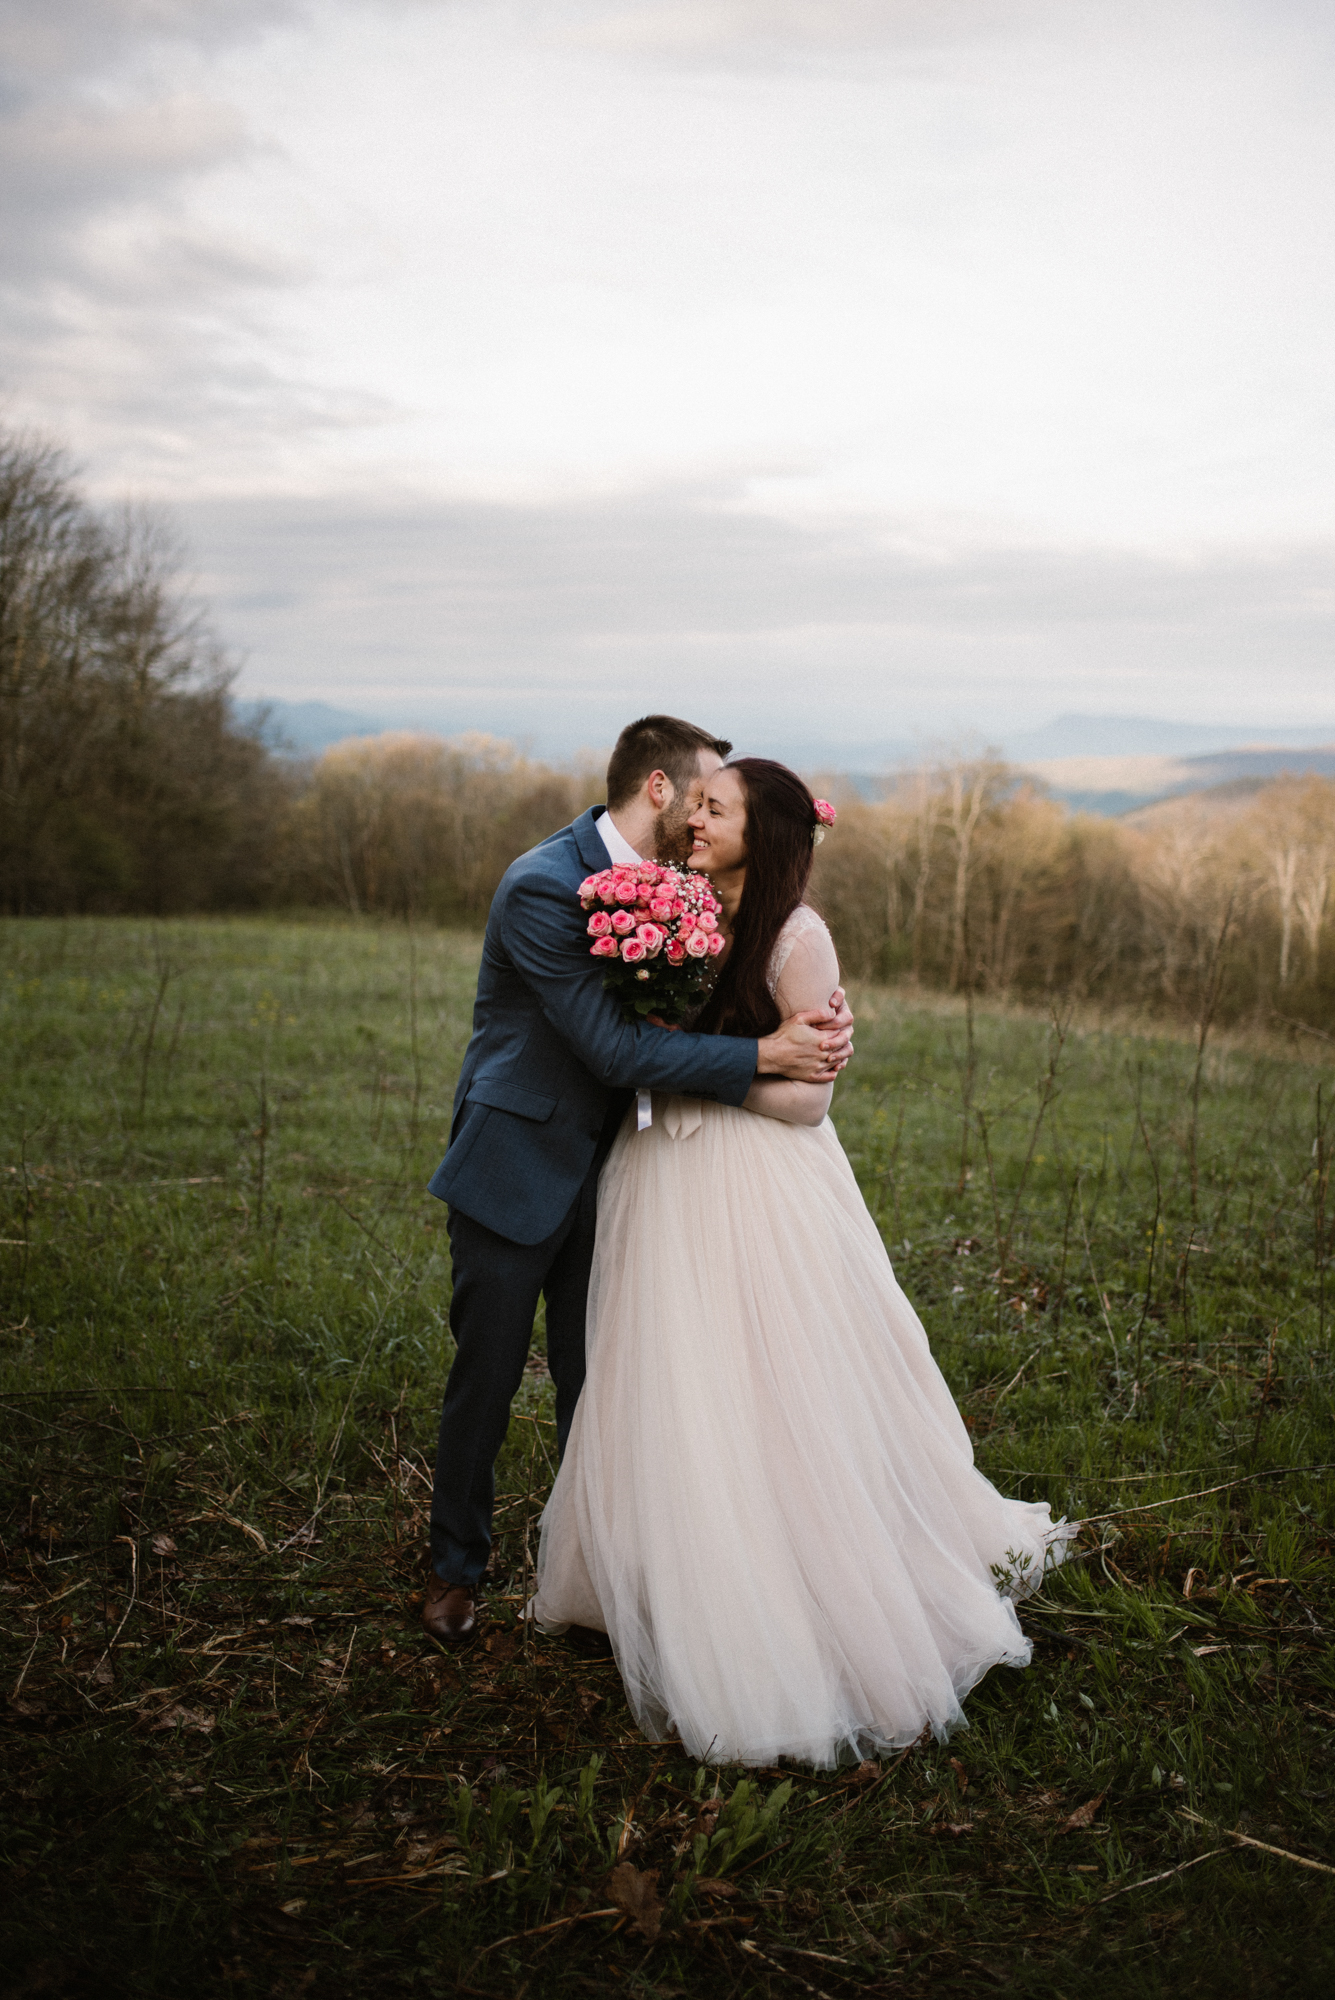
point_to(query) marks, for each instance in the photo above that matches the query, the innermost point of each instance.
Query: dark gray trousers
(497, 1285)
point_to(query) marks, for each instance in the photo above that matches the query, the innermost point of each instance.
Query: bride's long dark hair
(780, 818)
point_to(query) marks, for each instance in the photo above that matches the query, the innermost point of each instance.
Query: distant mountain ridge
(1101, 764)
(1111, 786)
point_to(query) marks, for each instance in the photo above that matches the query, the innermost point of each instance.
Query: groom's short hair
(658, 743)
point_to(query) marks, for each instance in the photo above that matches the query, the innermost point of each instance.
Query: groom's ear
(661, 790)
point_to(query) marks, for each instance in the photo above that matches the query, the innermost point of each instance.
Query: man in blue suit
(544, 1087)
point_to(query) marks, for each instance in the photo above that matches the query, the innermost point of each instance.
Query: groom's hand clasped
(811, 1047)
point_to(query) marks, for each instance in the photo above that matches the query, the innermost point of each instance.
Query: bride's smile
(718, 827)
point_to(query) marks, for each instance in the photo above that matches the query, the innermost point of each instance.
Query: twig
(134, 1592)
(1209, 1001)
(1098, 1293)
(581, 1917)
(1264, 1846)
(1148, 1881)
(1016, 1376)
(26, 1664)
(784, 1971)
(339, 1683)
(1149, 1506)
(217, 1514)
(283, 1546)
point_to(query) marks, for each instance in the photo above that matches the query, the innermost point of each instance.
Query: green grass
(233, 1765)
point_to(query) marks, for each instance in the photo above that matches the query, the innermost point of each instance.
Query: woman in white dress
(768, 1500)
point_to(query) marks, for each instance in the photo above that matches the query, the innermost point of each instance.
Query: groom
(542, 1092)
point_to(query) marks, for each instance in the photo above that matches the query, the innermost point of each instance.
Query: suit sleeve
(542, 930)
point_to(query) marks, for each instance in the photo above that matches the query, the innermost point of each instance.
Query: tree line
(126, 784)
(966, 877)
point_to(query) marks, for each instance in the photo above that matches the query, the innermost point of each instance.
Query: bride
(768, 1500)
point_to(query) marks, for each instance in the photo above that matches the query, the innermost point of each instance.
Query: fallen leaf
(294, 1908)
(1083, 1817)
(961, 1775)
(163, 1545)
(712, 1885)
(637, 1894)
(101, 1675)
(426, 1692)
(297, 1619)
(178, 1717)
(867, 1773)
(502, 1645)
(957, 1827)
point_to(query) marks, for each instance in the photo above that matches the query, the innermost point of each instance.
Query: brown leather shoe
(450, 1611)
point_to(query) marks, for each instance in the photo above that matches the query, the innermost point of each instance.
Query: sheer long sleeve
(808, 972)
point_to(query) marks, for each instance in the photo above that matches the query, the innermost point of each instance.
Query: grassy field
(233, 1764)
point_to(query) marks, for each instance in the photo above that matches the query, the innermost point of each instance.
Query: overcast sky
(838, 370)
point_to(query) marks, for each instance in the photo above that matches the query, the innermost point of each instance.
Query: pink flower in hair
(825, 812)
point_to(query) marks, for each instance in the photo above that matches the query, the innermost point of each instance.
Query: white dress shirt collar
(618, 847)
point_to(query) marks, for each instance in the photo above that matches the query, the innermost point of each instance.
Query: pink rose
(641, 974)
(707, 921)
(825, 812)
(651, 937)
(632, 950)
(622, 922)
(715, 944)
(627, 888)
(604, 947)
(676, 951)
(660, 907)
(599, 924)
(697, 944)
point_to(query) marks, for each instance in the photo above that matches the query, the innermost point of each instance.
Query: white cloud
(959, 334)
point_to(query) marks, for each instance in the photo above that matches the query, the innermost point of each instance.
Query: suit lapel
(589, 842)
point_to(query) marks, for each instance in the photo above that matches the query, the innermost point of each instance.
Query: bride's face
(718, 825)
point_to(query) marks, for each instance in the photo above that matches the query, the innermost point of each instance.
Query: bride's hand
(673, 1027)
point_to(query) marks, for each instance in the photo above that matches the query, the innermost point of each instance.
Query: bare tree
(122, 781)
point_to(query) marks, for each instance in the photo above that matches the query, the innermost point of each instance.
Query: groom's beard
(673, 838)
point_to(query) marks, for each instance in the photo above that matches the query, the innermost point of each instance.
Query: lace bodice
(802, 920)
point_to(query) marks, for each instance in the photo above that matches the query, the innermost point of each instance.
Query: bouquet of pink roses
(657, 929)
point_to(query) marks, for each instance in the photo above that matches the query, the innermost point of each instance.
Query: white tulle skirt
(769, 1500)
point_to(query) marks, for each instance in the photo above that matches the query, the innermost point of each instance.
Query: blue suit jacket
(551, 1050)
